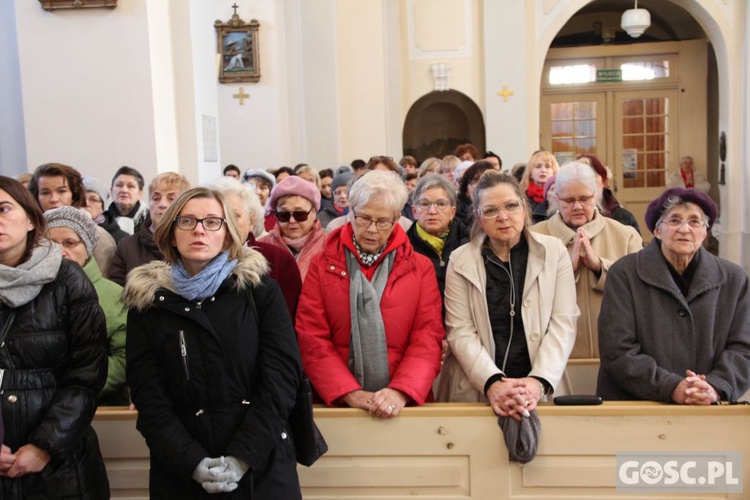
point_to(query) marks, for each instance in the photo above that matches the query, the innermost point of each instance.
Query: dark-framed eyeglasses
(209, 223)
(365, 221)
(492, 212)
(299, 215)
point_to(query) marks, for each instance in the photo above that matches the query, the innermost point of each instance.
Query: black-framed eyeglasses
(209, 223)
(365, 221)
(299, 215)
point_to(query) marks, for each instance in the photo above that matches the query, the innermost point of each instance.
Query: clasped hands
(694, 390)
(514, 397)
(385, 403)
(221, 474)
(583, 254)
(27, 459)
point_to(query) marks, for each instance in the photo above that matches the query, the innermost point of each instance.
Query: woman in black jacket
(53, 353)
(213, 362)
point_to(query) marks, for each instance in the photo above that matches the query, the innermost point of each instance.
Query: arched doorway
(653, 112)
(440, 121)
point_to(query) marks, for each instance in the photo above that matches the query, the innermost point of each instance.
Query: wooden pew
(457, 450)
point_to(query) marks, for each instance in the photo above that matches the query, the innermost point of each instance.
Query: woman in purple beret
(295, 203)
(675, 320)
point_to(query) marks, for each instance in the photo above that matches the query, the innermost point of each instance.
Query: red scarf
(535, 192)
(688, 178)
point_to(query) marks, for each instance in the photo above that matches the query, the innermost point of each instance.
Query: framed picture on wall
(238, 50)
(77, 4)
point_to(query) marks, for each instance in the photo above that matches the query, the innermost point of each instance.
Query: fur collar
(144, 281)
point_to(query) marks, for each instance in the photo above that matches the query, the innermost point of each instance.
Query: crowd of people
(388, 284)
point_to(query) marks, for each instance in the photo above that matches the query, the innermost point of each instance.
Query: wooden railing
(457, 450)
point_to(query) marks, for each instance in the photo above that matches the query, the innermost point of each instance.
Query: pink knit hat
(295, 186)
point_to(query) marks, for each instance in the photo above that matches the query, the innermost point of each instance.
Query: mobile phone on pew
(578, 400)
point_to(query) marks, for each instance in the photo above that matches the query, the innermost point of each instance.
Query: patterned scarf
(368, 259)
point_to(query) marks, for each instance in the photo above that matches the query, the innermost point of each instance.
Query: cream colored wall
(87, 93)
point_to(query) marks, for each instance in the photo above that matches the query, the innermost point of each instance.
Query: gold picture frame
(77, 4)
(239, 50)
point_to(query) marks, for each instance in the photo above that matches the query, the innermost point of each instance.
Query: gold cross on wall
(505, 93)
(241, 96)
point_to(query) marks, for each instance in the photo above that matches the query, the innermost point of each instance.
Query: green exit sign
(608, 75)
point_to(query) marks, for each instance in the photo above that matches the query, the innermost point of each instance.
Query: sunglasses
(299, 215)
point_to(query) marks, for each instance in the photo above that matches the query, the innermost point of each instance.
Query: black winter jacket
(55, 362)
(208, 383)
(133, 251)
(458, 235)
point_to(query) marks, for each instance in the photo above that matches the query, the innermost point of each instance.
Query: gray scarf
(522, 437)
(368, 356)
(21, 284)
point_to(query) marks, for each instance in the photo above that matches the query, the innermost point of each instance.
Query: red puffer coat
(411, 309)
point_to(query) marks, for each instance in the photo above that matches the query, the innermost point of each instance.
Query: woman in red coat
(369, 317)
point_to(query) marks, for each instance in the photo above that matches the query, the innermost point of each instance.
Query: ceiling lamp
(635, 21)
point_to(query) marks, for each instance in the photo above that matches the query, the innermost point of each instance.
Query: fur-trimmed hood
(144, 281)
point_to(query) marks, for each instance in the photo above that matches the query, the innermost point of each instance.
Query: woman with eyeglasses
(213, 363)
(510, 307)
(436, 232)
(675, 320)
(594, 243)
(369, 318)
(53, 357)
(295, 204)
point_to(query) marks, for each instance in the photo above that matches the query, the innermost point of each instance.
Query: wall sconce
(635, 21)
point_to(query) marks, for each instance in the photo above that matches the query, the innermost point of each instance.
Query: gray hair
(435, 181)
(250, 200)
(430, 163)
(578, 171)
(379, 183)
(676, 201)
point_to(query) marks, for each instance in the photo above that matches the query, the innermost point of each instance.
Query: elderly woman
(510, 307)
(594, 243)
(244, 204)
(339, 193)
(213, 365)
(126, 207)
(675, 320)
(541, 166)
(369, 322)
(436, 232)
(97, 198)
(295, 203)
(54, 361)
(75, 232)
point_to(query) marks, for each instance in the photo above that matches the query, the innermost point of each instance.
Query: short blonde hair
(172, 180)
(166, 227)
(544, 156)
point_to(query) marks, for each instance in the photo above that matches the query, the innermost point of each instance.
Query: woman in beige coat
(508, 344)
(594, 243)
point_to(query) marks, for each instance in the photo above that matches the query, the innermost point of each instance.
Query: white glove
(219, 486)
(210, 469)
(236, 468)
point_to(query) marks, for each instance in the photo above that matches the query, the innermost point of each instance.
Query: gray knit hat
(340, 179)
(97, 186)
(76, 219)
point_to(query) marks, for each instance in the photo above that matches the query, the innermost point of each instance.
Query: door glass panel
(645, 145)
(573, 127)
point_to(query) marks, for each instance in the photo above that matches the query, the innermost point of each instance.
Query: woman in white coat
(508, 344)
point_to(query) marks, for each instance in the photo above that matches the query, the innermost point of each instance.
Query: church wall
(12, 141)
(87, 95)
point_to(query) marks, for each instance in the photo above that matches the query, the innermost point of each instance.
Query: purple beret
(656, 208)
(295, 186)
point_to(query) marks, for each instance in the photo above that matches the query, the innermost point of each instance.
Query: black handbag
(308, 440)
